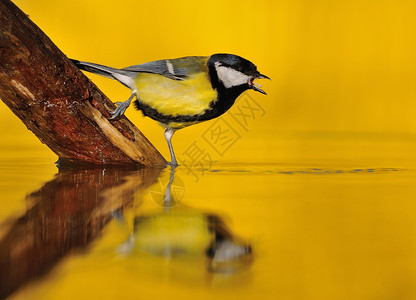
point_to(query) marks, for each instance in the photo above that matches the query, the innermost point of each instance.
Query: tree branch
(58, 103)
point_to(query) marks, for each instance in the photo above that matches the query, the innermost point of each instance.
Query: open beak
(261, 76)
(256, 86)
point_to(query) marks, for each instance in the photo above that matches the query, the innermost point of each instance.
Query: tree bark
(58, 103)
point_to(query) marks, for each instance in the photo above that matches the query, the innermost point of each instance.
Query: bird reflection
(180, 231)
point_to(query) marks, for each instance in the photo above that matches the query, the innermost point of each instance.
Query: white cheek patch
(230, 77)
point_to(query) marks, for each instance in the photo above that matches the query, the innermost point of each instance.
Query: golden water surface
(333, 222)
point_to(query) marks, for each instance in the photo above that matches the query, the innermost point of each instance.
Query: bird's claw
(121, 107)
(119, 111)
(173, 163)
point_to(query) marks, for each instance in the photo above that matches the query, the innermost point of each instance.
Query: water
(334, 219)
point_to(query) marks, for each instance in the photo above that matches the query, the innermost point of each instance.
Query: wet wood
(58, 103)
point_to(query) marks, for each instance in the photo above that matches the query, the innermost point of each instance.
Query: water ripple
(284, 170)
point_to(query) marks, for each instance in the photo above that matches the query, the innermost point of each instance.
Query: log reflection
(66, 214)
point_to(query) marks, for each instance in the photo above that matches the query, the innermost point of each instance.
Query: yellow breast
(191, 96)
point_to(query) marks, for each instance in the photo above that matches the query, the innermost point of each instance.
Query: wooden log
(58, 103)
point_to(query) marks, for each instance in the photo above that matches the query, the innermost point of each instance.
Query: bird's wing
(177, 69)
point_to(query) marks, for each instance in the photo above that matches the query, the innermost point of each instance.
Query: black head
(233, 71)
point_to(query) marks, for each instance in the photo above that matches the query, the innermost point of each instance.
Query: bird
(183, 91)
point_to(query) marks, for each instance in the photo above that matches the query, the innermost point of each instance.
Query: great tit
(183, 91)
(188, 234)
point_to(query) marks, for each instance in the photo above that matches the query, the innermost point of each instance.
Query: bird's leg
(168, 136)
(122, 106)
(167, 198)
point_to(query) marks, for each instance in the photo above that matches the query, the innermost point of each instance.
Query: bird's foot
(121, 107)
(173, 163)
(119, 111)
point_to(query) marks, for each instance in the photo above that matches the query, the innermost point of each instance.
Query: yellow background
(338, 66)
(342, 100)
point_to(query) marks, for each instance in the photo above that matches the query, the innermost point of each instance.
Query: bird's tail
(94, 68)
(125, 77)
